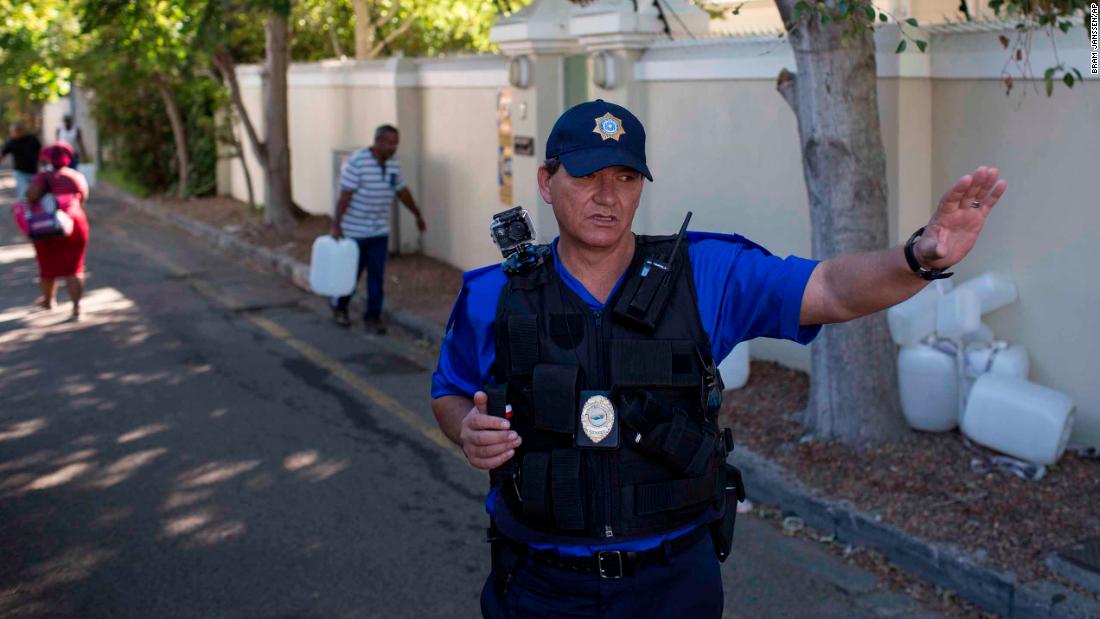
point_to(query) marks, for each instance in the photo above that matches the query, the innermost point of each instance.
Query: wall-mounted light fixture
(519, 71)
(605, 72)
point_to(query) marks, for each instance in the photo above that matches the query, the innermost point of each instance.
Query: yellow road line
(334, 367)
(338, 370)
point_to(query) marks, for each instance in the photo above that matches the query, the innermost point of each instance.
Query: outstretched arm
(406, 198)
(848, 287)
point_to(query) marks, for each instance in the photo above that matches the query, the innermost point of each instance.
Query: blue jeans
(22, 183)
(688, 587)
(372, 257)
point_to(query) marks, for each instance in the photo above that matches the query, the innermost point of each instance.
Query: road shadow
(131, 462)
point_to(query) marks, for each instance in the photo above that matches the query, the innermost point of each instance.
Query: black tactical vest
(553, 354)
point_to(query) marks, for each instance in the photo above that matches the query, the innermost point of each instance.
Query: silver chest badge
(597, 418)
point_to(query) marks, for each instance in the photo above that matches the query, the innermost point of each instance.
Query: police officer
(585, 383)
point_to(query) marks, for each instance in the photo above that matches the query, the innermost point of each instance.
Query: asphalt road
(206, 444)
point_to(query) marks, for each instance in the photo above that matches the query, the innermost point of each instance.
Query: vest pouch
(534, 486)
(655, 363)
(689, 446)
(555, 391)
(721, 530)
(642, 414)
(669, 434)
(550, 488)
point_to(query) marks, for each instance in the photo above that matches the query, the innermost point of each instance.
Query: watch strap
(911, 259)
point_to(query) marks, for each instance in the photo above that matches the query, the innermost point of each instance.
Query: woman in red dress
(62, 256)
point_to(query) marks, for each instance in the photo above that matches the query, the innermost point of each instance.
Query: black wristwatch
(911, 258)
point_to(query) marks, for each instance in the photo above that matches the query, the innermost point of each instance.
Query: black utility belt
(614, 564)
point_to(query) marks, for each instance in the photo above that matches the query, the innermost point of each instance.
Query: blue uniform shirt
(743, 292)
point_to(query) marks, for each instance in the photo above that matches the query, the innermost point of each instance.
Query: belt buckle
(610, 563)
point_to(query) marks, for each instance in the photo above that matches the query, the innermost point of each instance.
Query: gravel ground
(923, 484)
(415, 282)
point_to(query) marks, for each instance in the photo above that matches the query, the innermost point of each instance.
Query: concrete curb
(295, 271)
(943, 565)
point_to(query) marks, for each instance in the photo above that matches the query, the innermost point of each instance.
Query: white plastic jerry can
(1019, 418)
(958, 313)
(914, 319)
(735, 367)
(999, 358)
(929, 386)
(333, 266)
(994, 290)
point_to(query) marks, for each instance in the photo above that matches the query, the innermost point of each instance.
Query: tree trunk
(178, 134)
(247, 175)
(278, 205)
(364, 30)
(853, 381)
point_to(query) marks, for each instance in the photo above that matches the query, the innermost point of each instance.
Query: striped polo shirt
(373, 187)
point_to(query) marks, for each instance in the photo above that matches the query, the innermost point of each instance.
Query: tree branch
(391, 36)
(381, 21)
(336, 49)
(179, 134)
(787, 86)
(225, 65)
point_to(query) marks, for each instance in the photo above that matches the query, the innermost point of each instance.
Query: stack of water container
(953, 372)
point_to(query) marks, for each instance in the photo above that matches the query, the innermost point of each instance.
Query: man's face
(386, 144)
(595, 210)
(68, 122)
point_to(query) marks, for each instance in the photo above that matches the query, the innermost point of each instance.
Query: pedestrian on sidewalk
(589, 391)
(70, 134)
(368, 184)
(24, 148)
(62, 256)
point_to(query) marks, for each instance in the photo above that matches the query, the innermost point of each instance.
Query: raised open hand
(956, 224)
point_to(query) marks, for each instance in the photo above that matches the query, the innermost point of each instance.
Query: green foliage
(134, 133)
(853, 17)
(322, 29)
(856, 17)
(448, 26)
(1032, 16)
(325, 29)
(138, 52)
(137, 138)
(36, 41)
(718, 11)
(121, 179)
(199, 102)
(128, 51)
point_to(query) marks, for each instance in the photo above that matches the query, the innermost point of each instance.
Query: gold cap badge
(609, 127)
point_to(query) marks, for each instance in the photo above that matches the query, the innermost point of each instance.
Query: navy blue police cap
(595, 135)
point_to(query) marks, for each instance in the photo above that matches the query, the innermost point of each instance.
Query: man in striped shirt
(368, 184)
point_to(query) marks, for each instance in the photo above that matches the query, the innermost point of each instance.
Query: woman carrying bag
(62, 254)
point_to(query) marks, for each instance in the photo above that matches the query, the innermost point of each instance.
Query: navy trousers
(372, 257)
(688, 587)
